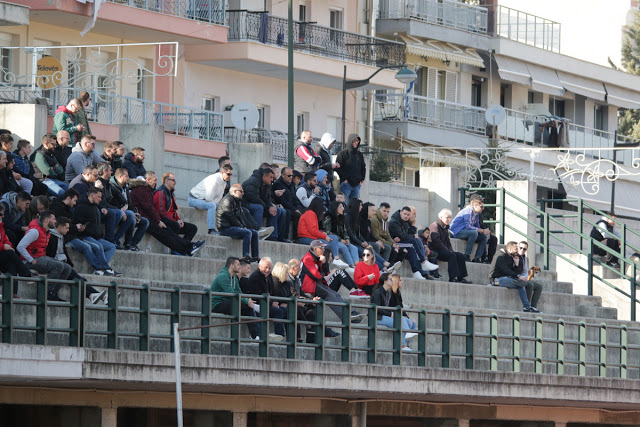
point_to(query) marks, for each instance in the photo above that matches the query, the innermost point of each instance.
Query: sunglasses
(523, 249)
(2, 214)
(366, 255)
(288, 176)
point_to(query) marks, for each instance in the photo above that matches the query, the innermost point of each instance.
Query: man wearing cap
(314, 270)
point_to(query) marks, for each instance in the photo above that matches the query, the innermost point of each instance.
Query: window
(437, 84)
(140, 89)
(302, 12)
(335, 18)
(209, 103)
(556, 107)
(531, 97)
(5, 61)
(598, 117)
(261, 116)
(476, 93)
(300, 122)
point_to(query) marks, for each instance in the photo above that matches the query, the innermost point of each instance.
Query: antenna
(244, 116)
(495, 115)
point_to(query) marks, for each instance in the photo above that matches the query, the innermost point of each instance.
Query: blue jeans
(520, 285)
(349, 191)
(56, 188)
(349, 253)
(249, 239)
(276, 221)
(472, 236)
(388, 322)
(97, 252)
(131, 239)
(210, 207)
(333, 244)
(113, 218)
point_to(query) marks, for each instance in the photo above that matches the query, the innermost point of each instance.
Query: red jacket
(308, 226)
(38, 248)
(362, 271)
(165, 202)
(4, 240)
(142, 199)
(313, 272)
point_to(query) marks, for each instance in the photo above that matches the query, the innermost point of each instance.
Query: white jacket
(210, 189)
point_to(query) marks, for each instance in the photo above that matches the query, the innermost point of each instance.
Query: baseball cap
(317, 244)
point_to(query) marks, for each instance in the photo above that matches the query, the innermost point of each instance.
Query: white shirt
(210, 189)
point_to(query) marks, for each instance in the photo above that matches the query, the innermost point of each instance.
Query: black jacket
(89, 214)
(107, 195)
(396, 300)
(325, 161)
(399, 228)
(354, 233)
(352, 167)
(229, 213)
(59, 209)
(134, 168)
(439, 239)
(503, 266)
(116, 163)
(118, 199)
(255, 191)
(52, 248)
(381, 298)
(257, 284)
(288, 200)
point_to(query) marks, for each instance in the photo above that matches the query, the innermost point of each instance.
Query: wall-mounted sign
(49, 72)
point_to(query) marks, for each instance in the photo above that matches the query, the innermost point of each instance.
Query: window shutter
(451, 87)
(432, 81)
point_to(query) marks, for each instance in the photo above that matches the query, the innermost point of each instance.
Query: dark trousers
(188, 230)
(170, 239)
(534, 290)
(455, 260)
(492, 246)
(225, 308)
(611, 243)
(10, 263)
(14, 236)
(340, 278)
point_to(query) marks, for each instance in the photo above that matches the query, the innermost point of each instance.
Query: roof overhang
(442, 51)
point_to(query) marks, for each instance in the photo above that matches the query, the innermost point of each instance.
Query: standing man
(306, 159)
(352, 169)
(81, 114)
(324, 150)
(208, 193)
(165, 201)
(66, 120)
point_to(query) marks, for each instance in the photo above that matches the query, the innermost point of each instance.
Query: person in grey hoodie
(324, 150)
(82, 155)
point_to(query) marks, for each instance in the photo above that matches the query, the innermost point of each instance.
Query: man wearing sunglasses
(206, 195)
(283, 193)
(533, 287)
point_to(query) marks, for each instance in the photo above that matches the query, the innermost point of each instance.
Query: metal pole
(344, 101)
(176, 352)
(615, 172)
(290, 84)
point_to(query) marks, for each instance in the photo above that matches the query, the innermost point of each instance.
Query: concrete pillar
(442, 184)
(240, 419)
(359, 418)
(525, 191)
(109, 417)
(246, 158)
(463, 423)
(25, 121)
(151, 138)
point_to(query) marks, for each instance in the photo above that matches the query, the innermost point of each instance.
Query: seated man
(113, 152)
(399, 228)
(227, 282)
(142, 200)
(504, 269)
(257, 198)
(6, 140)
(10, 261)
(308, 190)
(208, 193)
(604, 232)
(15, 205)
(82, 155)
(120, 220)
(284, 193)
(533, 287)
(261, 282)
(165, 201)
(121, 199)
(466, 226)
(134, 163)
(230, 222)
(25, 168)
(33, 248)
(380, 231)
(326, 188)
(51, 169)
(440, 242)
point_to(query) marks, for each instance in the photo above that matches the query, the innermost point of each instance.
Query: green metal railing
(140, 318)
(549, 229)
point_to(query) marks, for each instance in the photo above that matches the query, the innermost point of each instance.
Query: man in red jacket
(315, 270)
(142, 199)
(165, 202)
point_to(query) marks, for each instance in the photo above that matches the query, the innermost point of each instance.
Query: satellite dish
(495, 115)
(244, 116)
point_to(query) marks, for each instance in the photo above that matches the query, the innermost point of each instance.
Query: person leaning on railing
(603, 231)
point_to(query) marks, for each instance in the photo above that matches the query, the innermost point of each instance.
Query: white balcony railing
(452, 14)
(529, 29)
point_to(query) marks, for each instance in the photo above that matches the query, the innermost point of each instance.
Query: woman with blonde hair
(382, 298)
(396, 298)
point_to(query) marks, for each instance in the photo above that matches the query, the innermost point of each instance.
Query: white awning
(442, 51)
(545, 80)
(622, 97)
(513, 70)
(582, 86)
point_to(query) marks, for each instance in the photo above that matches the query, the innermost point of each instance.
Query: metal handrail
(458, 339)
(212, 11)
(527, 28)
(458, 15)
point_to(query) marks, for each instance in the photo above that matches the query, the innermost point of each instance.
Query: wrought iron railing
(212, 11)
(277, 139)
(141, 318)
(116, 109)
(527, 28)
(452, 14)
(314, 39)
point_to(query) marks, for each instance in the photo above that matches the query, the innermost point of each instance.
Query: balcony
(277, 139)
(527, 28)
(211, 11)
(451, 14)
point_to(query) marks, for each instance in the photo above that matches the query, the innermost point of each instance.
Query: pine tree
(629, 120)
(380, 168)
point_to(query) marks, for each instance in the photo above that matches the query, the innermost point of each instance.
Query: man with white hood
(324, 150)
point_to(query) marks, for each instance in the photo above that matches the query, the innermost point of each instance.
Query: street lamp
(404, 76)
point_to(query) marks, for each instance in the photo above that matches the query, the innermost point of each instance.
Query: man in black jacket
(352, 168)
(284, 194)
(230, 222)
(261, 282)
(121, 198)
(440, 242)
(257, 198)
(504, 269)
(119, 217)
(399, 228)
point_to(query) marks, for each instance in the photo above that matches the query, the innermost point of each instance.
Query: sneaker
(613, 264)
(15, 296)
(463, 280)
(339, 263)
(108, 273)
(275, 337)
(214, 232)
(436, 274)
(106, 298)
(112, 272)
(467, 258)
(428, 276)
(357, 293)
(417, 275)
(285, 241)
(406, 348)
(410, 335)
(99, 272)
(119, 247)
(427, 266)
(394, 268)
(330, 333)
(531, 310)
(134, 248)
(96, 297)
(265, 232)
(196, 247)
(477, 260)
(356, 317)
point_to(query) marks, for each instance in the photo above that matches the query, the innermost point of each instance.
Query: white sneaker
(406, 348)
(265, 232)
(96, 297)
(340, 263)
(410, 335)
(427, 266)
(417, 275)
(395, 267)
(275, 337)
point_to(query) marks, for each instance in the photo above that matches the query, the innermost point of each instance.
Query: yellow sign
(49, 73)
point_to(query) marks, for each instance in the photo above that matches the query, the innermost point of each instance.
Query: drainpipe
(372, 32)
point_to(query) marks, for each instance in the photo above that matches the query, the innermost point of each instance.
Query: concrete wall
(188, 170)
(401, 195)
(25, 121)
(443, 189)
(151, 138)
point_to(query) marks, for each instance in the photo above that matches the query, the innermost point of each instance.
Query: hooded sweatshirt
(325, 155)
(135, 168)
(65, 120)
(78, 160)
(12, 216)
(352, 167)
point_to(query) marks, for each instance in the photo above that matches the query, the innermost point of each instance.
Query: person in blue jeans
(352, 169)
(505, 270)
(466, 226)
(257, 198)
(381, 297)
(207, 194)
(230, 222)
